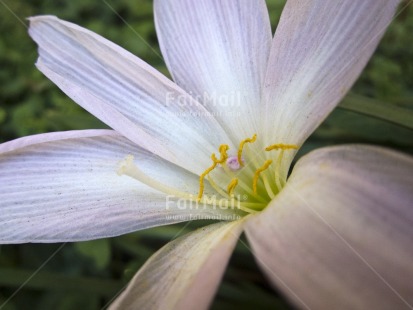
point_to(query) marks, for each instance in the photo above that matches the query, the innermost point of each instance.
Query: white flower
(336, 235)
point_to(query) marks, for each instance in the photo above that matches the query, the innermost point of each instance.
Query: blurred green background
(88, 275)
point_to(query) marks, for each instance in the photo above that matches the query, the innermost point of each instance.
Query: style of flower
(336, 234)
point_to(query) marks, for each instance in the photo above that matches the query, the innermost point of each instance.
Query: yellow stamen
(231, 186)
(242, 184)
(257, 174)
(281, 146)
(277, 176)
(223, 148)
(203, 175)
(268, 187)
(241, 146)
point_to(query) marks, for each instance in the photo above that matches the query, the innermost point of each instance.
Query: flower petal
(339, 235)
(217, 51)
(65, 187)
(185, 273)
(319, 49)
(126, 93)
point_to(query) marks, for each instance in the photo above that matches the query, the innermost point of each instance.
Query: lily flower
(218, 142)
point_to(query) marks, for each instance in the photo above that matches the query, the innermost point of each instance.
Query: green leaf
(378, 109)
(57, 282)
(98, 250)
(2, 115)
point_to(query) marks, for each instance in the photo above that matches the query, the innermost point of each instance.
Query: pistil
(128, 167)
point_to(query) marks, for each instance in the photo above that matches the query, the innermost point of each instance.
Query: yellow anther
(241, 146)
(281, 146)
(257, 174)
(223, 148)
(202, 177)
(231, 186)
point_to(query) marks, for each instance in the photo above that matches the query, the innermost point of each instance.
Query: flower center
(253, 182)
(246, 181)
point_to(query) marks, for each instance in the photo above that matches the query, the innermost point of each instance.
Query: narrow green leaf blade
(378, 109)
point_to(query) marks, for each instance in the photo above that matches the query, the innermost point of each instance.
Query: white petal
(319, 49)
(126, 93)
(65, 187)
(340, 234)
(217, 51)
(185, 273)
(53, 136)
